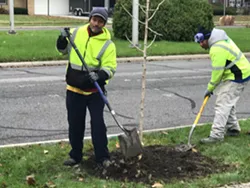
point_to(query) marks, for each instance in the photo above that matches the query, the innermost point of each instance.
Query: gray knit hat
(99, 11)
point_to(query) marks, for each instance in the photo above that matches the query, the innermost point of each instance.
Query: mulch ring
(158, 162)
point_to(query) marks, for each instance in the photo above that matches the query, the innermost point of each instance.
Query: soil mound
(158, 163)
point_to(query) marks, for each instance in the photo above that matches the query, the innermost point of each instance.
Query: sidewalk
(119, 60)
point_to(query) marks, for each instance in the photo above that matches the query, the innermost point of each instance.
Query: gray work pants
(228, 93)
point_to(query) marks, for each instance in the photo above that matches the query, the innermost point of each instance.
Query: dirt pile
(158, 163)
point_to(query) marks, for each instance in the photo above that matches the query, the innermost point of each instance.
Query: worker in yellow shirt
(230, 74)
(94, 43)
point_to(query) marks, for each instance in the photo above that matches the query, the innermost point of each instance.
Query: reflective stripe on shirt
(238, 56)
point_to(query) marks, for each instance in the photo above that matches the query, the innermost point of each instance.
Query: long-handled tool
(130, 143)
(189, 146)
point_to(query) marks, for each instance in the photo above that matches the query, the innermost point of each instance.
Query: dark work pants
(77, 105)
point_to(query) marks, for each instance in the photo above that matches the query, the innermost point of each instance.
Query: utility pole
(224, 12)
(106, 4)
(11, 13)
(135, 27)
(48, 7)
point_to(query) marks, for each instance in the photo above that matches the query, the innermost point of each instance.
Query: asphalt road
(33, 99)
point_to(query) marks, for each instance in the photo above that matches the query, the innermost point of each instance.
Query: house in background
(232, 3)
(40, 7)
(17, 3)
(55, 7)
(81, 7)
(48, 7)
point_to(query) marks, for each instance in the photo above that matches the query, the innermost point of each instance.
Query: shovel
(130, 143)
(189, 146)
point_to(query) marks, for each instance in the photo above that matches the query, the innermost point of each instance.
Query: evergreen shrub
(18, 10)
(176, 20)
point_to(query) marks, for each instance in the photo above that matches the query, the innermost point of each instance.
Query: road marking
(168, 95)
(62, 78)
(161, 72)
(33, 79)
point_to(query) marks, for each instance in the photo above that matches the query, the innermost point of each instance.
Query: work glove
(61, 43)
(208, 93)
(93, 76)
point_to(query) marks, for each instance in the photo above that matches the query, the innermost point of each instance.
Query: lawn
(222, 163)
(26, 20)
(40, 45)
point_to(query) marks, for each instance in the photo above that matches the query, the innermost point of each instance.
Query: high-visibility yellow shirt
(228, 63)
(98, 52)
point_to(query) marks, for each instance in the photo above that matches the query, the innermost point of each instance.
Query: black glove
(101, 76)
(208, 93)
(61, 43)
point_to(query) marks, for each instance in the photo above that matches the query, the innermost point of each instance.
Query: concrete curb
(89, 137)
(119, 60)
(109, 136)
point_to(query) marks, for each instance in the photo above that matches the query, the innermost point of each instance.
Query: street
(33, 99)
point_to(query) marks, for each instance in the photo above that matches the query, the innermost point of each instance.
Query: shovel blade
(130, 144)
(184, 147)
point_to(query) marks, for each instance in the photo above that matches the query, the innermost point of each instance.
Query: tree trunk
(143, 80)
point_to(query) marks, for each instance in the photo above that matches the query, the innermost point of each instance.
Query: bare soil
(158, 163)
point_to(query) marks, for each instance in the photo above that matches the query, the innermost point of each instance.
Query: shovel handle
(67, 30)
(201, 110)
(197, 119)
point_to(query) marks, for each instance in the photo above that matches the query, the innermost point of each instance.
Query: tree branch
(156, 10)
(152, 41)
(133, 44)
(153, 31)
(132, 15)
(142, 8)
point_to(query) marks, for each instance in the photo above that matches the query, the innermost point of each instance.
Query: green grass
(26, 20)
(17, 163)
(40, 45)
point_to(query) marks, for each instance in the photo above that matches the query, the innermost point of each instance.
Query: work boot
(210, 140)
(70, 162)
(106, 163)
(233, 132)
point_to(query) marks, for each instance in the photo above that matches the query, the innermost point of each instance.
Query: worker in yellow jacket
(94, 43)
(230, 72)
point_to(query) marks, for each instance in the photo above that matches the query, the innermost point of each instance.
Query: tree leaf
(157, 185)
(50, 184)
(194, 150)
(30, 180)
(117, 145)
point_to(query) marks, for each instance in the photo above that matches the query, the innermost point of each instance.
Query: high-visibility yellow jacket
(98, 52)
(228, 62)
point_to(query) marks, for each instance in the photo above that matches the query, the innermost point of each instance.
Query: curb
(119, 60)
(109, 135)
(89, 137)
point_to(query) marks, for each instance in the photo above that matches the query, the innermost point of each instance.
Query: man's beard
(95, 29)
